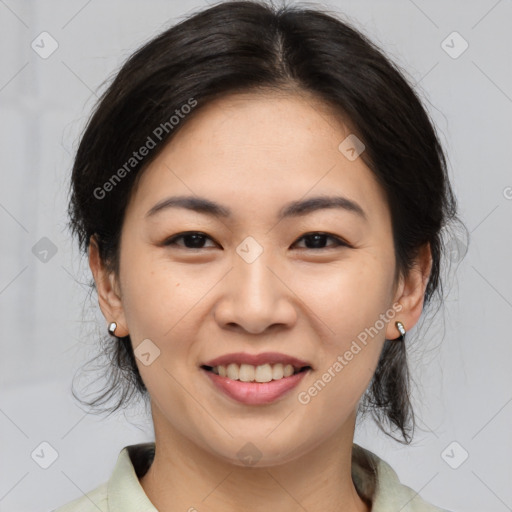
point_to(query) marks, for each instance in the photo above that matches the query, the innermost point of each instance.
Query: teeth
(249, 373)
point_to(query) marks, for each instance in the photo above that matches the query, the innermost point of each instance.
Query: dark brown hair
(253, 46)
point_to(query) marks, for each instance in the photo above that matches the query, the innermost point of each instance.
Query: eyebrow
(292, 209)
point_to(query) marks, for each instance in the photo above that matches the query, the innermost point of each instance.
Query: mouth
(256, 374)
(263, 367)
(250, 385)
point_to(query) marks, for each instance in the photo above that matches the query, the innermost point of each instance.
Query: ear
(109, 296)
(411, 292)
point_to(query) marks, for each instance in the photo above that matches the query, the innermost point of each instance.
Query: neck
(184, 476)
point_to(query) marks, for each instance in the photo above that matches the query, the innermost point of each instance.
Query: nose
(255, 298)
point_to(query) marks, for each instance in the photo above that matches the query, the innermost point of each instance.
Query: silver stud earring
(112, 328)
(401, 330)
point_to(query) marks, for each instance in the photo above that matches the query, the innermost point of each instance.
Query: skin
(253, 154)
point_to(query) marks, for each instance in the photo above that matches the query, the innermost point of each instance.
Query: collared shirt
(374, 479)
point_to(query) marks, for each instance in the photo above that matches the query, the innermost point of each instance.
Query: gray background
(460, 364)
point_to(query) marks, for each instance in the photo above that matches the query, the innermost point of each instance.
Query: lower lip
(255, 393)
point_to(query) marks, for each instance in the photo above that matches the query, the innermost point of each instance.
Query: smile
(255, 385)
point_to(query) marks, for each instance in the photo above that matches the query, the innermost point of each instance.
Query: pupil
(316, 239)
(197, 240)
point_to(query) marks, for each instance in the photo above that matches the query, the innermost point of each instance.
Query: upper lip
(257, 359)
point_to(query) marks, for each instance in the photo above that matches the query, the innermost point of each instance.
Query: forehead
(280, 120)
(249, 149)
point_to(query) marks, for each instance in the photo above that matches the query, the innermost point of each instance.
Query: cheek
(347, 305)
(346, 298)
(157, 295)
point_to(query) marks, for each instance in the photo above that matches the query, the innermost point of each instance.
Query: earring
(112, 328)
(401, 330)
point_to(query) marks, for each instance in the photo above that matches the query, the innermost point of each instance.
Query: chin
(260, 451)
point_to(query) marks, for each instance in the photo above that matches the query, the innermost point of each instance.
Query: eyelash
(339, 242)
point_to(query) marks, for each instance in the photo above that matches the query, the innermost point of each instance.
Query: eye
(192, 240)
(317, 240)
(196, 239)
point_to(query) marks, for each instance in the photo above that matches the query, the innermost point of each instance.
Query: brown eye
(196, 240)
(317, 241)
(191, 239)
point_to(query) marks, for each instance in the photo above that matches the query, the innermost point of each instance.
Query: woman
(261, 196)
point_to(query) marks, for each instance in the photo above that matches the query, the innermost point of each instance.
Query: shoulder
(381, 485)
(396, 494)
(122, 492)
(94, 501)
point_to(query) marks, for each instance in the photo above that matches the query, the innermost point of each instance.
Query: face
(309, 284)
